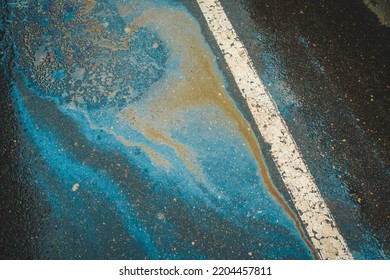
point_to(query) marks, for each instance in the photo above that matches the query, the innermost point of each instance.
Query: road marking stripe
(312, 209)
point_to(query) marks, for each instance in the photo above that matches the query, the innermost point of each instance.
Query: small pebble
(75, 187)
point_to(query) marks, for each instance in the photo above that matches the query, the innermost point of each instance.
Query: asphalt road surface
(126, 133)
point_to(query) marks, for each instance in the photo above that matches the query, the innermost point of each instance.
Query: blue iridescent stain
(184, 188)
(69, 12)
(45, 22)
(59, 74)
(58, 53)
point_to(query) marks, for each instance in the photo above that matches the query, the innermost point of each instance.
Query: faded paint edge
(312, 209)
(381, 8)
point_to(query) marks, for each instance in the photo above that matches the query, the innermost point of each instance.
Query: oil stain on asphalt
(128, 143)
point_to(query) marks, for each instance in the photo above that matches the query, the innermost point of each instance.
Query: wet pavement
(125, 137)
(327, 68)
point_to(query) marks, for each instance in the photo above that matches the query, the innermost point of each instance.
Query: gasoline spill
(144, 149)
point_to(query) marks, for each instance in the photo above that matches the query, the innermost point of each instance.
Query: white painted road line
(311, 207)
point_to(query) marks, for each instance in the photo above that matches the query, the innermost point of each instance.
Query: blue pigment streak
(62, 199)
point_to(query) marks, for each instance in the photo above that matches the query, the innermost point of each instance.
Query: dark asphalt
(15, 234)
(331, 58)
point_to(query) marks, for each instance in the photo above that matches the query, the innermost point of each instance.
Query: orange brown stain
(199, 86)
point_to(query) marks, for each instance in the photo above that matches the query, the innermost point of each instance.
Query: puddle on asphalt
(143, 90)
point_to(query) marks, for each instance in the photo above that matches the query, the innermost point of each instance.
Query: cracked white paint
(311, 207)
